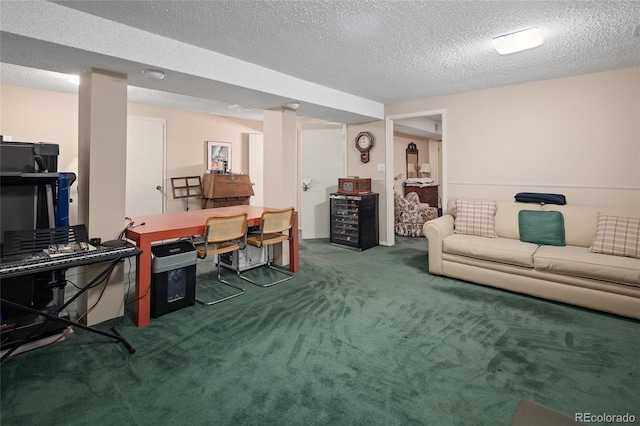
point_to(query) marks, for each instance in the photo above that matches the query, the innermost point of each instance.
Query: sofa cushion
(618, 236)
(579, 262)
(476, 217)
(503, 250)
(507, 218)
(544, 228)
(580, 220)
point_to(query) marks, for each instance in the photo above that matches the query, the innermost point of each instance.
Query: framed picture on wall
(218, 157)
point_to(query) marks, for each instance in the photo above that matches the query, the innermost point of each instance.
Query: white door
(145, 166)
(322, 151)
(256, 168)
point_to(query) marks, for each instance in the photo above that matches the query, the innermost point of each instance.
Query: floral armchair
(411, 214)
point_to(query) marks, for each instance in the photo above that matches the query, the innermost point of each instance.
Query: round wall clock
(364, 143)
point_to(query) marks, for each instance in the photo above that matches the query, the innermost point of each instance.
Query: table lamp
(424, 169)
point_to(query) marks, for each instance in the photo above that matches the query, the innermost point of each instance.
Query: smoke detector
(292, 105)
(154, 74)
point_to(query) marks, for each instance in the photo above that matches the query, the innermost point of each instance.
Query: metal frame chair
(223, 234)
(272, 225)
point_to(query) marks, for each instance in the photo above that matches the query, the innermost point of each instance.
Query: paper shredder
(173, 278)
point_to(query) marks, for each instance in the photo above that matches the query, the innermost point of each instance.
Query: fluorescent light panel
(518, 41)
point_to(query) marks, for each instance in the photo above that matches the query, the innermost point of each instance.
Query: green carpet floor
(366, 338)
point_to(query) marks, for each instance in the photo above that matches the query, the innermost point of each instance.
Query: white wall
(186, 136)
(579, 136)
(377, 155)
(31, 115)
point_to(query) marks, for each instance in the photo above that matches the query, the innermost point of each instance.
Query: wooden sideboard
(222, 190)
(427, 194)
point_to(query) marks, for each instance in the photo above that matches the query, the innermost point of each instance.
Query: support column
(280, 166)
(102, 143)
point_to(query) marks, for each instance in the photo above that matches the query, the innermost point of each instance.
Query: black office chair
(272, 225)
(223, 234)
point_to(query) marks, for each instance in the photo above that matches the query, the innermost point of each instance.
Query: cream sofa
(569, 274)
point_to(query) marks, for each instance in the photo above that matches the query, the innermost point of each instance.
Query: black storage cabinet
(354, 220)
(173, 278)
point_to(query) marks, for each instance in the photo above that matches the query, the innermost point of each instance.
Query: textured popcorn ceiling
(342, 59)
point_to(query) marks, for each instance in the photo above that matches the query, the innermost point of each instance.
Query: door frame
(389, 122)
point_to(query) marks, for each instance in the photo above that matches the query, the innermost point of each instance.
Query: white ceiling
(343, 60)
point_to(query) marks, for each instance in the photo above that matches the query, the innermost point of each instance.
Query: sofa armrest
(436, 231)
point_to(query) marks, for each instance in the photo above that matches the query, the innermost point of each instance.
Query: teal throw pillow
(543, 228)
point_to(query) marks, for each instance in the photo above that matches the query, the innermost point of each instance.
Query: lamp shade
(425, 168)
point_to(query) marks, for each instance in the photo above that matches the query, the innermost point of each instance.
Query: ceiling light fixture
(518, 41)
(74, 79)
(154, 74)
(292, 105)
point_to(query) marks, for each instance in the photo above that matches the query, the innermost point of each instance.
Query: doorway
(409, 124)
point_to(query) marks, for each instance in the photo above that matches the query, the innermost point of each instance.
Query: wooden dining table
(158, 227)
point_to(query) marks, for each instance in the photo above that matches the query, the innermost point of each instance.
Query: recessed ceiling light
(154, 74)
(518, 41)
(74, 79)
